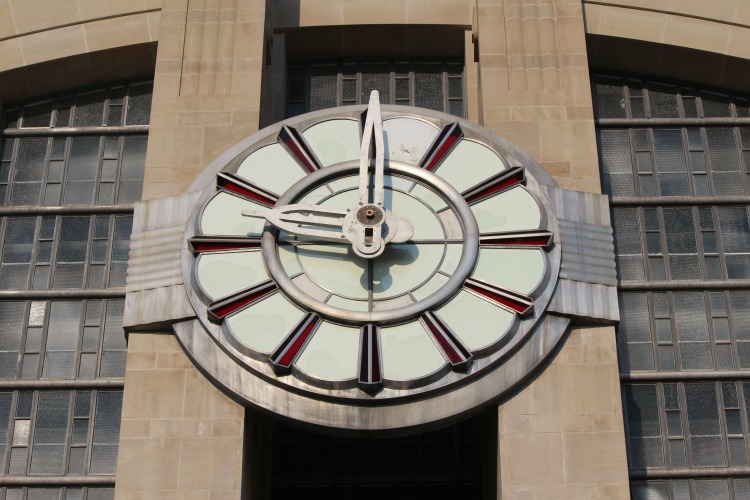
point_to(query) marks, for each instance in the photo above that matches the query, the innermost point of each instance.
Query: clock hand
(297, 219)
(374, 109)
(368, 241)
(332, 223)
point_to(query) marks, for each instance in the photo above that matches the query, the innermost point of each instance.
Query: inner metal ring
(469, 252)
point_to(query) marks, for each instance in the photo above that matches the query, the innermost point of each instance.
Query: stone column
(561, 436)
(181, 437)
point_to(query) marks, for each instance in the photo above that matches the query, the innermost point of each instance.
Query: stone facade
(220, 75)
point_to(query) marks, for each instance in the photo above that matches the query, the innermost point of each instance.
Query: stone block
(148, 395)
(148, 465)
(696, 33)
(53, 44)
(594, 457)
(11, 55)
(203, 400)
(116, 32)
(739, 42)
(367, 12)
(439, 12)
(7, 26)
(141, 360)
(632, 23)
(533, 459)
(41, 16)
(210, 464)
(95, 9)
(721, 10)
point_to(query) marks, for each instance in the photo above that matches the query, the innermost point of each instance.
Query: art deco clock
(369, 268)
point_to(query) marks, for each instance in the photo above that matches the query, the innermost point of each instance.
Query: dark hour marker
(513, 301)
(496, 184)
(292, 346)
(235, 184)
(541, 239)
(200, 244)
(443, 144)
(298, 147)
(218, 309)
(458, 355)
(370, 366)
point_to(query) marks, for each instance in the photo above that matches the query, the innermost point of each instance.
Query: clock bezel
(516, 358)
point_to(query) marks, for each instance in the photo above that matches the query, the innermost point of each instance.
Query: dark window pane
(670, 162)
(82, 169)
(131, 169)
(610, 101)
(89, 109)
(617, 168)
(642, 410)
(716, 106)
(323, 92)
(139, 104)
(106, 432)
(38, 115)
(702, 409)
(663, 102)
(428, 87)
(634, 318)
(376, 77)
(28, 171)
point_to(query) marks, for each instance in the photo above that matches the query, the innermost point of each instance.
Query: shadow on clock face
(338, 269)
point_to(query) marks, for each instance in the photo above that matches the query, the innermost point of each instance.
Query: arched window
(70, 169)
(675, 161)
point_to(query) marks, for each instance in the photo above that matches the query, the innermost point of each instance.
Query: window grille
(437, 86)
(70, 169)
(675, 161)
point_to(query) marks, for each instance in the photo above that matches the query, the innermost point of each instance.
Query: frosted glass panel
(221, 274)
(334, 141)
(408, 352)
(428, 196)
(335, 268)
(513, 210)
(332, 353)
(469, 164)
(271, 168)
(477, 323)
(425, 222)
(432, 286)
(223, 216)
(452, 257)
(402, 267)
(348, 304)
(517, 269)
(407, 139)
(264, 325)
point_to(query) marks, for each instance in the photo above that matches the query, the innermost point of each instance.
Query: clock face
(376, 254)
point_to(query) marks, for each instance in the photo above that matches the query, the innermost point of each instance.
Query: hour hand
(315, 221)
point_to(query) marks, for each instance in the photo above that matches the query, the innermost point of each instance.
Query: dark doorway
(454, 462)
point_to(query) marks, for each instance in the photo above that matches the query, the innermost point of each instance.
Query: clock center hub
(370, 215)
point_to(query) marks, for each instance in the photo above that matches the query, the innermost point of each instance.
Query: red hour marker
(199, 244)
(541, 239)
(510, 300)
(296, 144)
(496, 184)
(219, 309)
(235, 184)
(458, 355)
(443, 144)
(290, 349)
(370, 366)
